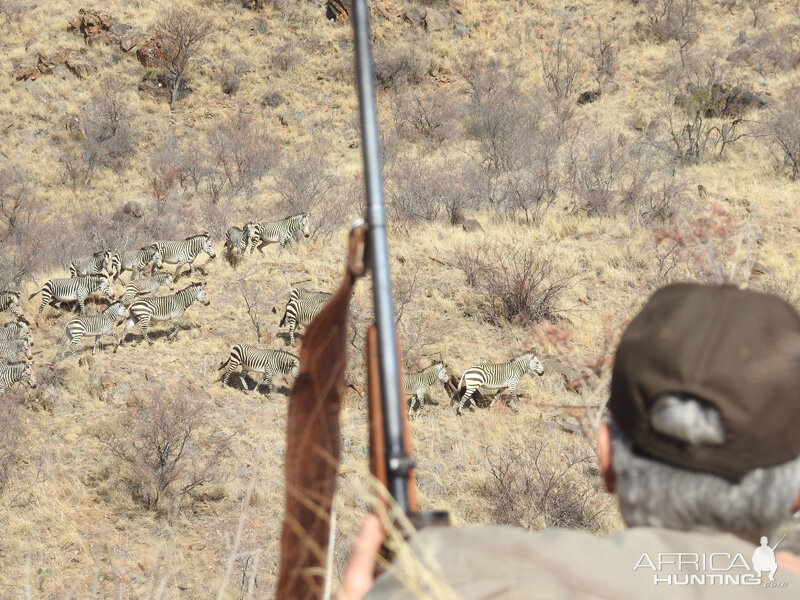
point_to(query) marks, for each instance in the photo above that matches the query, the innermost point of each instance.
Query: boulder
(588, 97)
(150, 54)
(81, 68)
(338, 10)
(132, 40)
(134, 209)
(94, 25)
(436, 21)
(471, 226)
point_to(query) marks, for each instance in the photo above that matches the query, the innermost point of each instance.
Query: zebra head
(304, 225)
(441, 374)
(208, 247)
(295, 368)
(26, 347)
(201, 296)
(168, 281)
(536, 365)
(158, 258)
(27, 376)
(250, 231)
(106, 287)
(118, 311)
(107, 265)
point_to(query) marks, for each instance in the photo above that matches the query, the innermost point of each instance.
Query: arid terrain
(604, 148)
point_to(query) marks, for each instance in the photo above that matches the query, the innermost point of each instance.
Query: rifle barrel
(397, 459)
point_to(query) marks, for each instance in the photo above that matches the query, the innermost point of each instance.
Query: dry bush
(772, 47)
(595, 166)
(602, 50)
(165, 446)
(562, 62)
(406, 62)
(256, 304)
(517, 283)
(426, 114)
(105, 138)
(13, 10)
(532, 186)
(536, 484)
(16, 194)
(22, 226)
(782, 131)
(11, 432)
(675, 20)
(654, 191)
(180, 34)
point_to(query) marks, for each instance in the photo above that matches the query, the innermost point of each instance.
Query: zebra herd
(139, 304)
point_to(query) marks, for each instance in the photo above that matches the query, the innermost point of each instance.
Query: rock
(94, 25)
(414, 18)
(80, 67)
(43, 66)
(150, 54)
(457, 217)
(436, 21)
(338, 10)
(134, 209)
(132, 40)
(588, 97)
(471, 226)
(120, 30)
(273, 99)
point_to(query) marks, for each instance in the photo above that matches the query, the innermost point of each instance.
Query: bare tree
(676, 20)
(782, 130)
(561, 61)
(255, 304)
(180, 35)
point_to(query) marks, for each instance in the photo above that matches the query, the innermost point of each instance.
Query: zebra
(165, 308)
(76, 288)
(11, 373)
(145, 286)
(15, 330)
(136, 261)
(10, 301)
(9, 349)
(417, 385)
(301, 308)
(94, 325)
(91, 265)
(268, 362)
(279, 232)
(496, 376)
(237, 240)
(186, 251)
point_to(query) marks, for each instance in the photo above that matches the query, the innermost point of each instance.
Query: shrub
(11, 433)
(595, 167)
(675, 20)
(516, 282)
(782, 130)
(561, 61)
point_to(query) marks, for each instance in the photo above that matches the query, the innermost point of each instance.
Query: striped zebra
(280, 232)
(11, 373)
(237, 241)
(15, 330)
(10, 349)
(301, 308)
(417, 384)
(91, 265)
(10, 301)
(94, 325)
(165, 308)
(76, 288)
(136, 261)
(186, 251)
(494, 376)
(268, 362)
(146, 286)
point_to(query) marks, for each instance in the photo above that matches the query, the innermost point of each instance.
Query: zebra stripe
(91, 265)
(268, 362)
(280, 232)
(70, 290)
(301, 308)
(10, 301)
(94, 325)
(15, 330)
(145, 286)
(237, 240)
(417, 385)
(11, 348)
(11, 373)
(495, 376)
(136, 261)
(163, 308)
(186, 251)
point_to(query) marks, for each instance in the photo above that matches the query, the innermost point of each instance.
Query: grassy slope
(77, 527)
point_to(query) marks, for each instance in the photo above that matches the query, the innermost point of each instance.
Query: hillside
(679, 163)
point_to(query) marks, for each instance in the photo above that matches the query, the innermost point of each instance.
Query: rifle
(313, 443)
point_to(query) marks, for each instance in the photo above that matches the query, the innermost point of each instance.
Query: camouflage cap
(735, 350)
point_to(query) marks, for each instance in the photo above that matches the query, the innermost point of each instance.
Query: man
(701, 450)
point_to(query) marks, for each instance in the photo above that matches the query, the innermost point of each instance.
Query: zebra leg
(116, 341)
(177, 271)
(145, 324)
(421, 404)
(261, 382)
(514, 398)
(96, 342)
(244, 383)
(175, 330)
(282, 246)
(73, 344)
(81, 302)
(292, 325)
(411, 406)
(467, 397)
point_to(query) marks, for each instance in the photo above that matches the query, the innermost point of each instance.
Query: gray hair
(652, 493)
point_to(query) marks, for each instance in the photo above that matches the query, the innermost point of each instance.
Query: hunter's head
(705, 395)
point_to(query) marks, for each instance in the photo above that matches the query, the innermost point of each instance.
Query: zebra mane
(10, 293)
(205, 234)
(296, 217)
(17, 363)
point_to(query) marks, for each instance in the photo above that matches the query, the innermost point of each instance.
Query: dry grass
(71, 527)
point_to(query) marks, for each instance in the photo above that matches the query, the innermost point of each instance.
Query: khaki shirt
(503, 563)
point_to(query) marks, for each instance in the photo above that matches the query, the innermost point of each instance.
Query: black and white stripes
(495, 376)
(11, 373)
(280, 232)
(165, 308)
(73, 289)
(185, 252)
(417, 384)
(301, 308)
(94, 325)
(268, 362)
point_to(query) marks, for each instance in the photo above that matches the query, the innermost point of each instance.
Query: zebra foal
(94, 325)
(268, 362)
(73, 289)
(11, 373)
(494, 376)
(237, 241)
(185, 252)
(10, 301)
(280, 232)
(417, 384)
(145, 286)
(10, 349)
(91, 265)
(165, 308)
(136, 261)
(301, 308)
